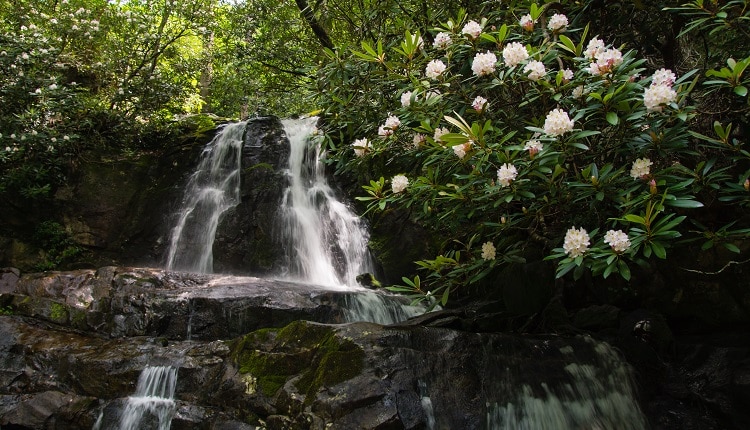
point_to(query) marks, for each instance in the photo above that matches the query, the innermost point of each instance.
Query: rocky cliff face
(254, 353)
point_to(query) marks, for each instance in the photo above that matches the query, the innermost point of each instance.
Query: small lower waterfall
(152, 406)
(212, 189)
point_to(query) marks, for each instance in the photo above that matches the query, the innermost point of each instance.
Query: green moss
(270, 357)
(58, 312)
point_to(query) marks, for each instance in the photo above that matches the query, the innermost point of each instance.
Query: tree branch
(309, 16)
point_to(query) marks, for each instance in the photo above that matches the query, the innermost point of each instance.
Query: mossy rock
(315, 355)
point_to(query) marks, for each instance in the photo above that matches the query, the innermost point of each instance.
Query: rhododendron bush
(516, 130)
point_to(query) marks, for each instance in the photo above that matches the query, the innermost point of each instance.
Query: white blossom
(361, 146)
(506, 174)
(618, 240)
(557, 22)
(526, 22)
(514, 53)
(484, 63)
(641, 168)
(488, 251)
(442, 41)
(576, 242)
(434, 69)
(472, 29)
(535, 70)
(534, 146)
(399, 183)
(594, 47)
(439, 132)
(406, 99)
(663, 77)
(479, 103)
(558, 123)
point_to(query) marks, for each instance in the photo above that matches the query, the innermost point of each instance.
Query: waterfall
(595, 395)
(328, 241)
(153, 400)
(212, 189)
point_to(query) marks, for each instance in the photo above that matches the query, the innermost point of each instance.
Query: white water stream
(212, 189)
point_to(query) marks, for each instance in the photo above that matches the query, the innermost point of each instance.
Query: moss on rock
(315, 354)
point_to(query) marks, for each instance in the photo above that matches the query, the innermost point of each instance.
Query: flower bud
(594, 180)
(747, 185)
(652, 186)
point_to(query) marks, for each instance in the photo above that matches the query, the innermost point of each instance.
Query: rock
(8, 279)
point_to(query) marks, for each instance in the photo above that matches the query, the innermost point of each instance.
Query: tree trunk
(309, 16)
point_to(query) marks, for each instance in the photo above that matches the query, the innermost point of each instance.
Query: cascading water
(328, 243)
(327, 240)
(212, 189)
(152, 406)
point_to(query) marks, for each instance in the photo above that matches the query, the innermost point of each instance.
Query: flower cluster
(472, 29)
(361, 147)
(618, 240)
(660, 92)
(506, 174)
(576, 242)
(399, 183)
(406, 99)
(488, 251)
(526, 22)
(391, 124)
(640, 169)
(535, 70)
(558, 123)
(557, 23)
(434, 69)
(484, 64)
(534, 147)
(439, 132)
(479, 104)
(514, 54)
(603, 60)
(442, 41)
(462, 149)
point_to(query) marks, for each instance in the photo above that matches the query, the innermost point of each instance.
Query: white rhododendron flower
(439, 132)
(594, 47)
(514, 53)
(663, 77)
(535, 70)
(656, 96)
(462, 149)
(526, 22)
(618, 240)
(576, 242)
(472, 29)
(442, 41)
(479, 103)
(418, 140)
(533, 146)
(484, 63)
(392, 122)
(488, 251)
(558, 123)
(641, 168)
(606, 61)
(399, 183)
(406, 99)
(361, 146)
(506, 174)
(558, 22)
(434, 69)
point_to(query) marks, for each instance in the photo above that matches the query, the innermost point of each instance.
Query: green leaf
(612, 118)
(740, 90)
(683, 203)
(444, 299)
(624, 270)
(659, 250)
(732, 247)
